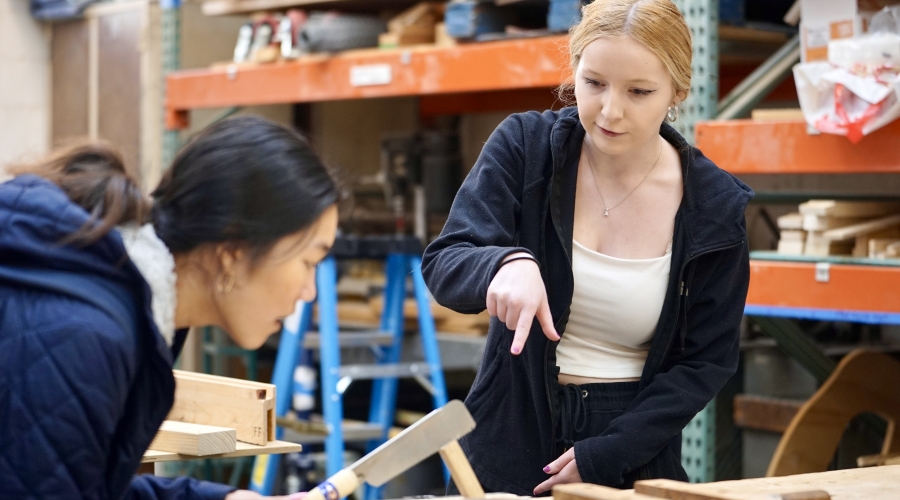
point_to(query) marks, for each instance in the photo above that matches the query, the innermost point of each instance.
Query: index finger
(523, 328)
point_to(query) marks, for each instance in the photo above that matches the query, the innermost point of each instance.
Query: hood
(36, 215)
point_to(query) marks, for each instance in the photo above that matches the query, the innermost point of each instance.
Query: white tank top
(616, 304)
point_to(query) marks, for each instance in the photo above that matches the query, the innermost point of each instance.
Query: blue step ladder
(403, 256)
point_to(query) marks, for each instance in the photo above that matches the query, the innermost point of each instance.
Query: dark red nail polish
(515, 350)
(547, 469)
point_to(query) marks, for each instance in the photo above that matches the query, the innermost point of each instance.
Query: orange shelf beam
(853, 288)
(426, 70)
(785, 147)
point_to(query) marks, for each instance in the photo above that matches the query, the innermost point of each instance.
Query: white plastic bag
(836, 101)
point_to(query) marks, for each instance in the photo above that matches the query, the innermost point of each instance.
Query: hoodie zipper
(682, 293)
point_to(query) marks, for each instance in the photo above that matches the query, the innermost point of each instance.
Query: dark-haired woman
(98, 288)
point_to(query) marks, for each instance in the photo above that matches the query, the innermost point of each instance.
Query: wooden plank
(230, 386)
(461, 470)
(677, 490)
(791, 247)
(776, 114)
(118, 83)
(849, 232)
(877, 460)
(793, 235)
(833, 208)
(824, 223)
(817, 245)
(874, 483)
(248, 407)
(791, 221)
(584, 491)
(764, 413)
(242, 450)
(70, 87)
(194, 439)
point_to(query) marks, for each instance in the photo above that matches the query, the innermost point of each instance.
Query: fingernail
(547, 469)
(516, 350)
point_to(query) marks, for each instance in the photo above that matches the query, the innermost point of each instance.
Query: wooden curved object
(864, 381)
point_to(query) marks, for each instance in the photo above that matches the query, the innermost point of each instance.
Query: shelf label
(823, 272)
(370, 74)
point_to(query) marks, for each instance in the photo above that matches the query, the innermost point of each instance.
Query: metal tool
(418, 442)
(242, 48)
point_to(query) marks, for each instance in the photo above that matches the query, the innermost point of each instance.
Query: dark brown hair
(93, 176)
(245, 181)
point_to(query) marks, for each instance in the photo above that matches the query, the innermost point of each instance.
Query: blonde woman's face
(264, 293)
(623, 92)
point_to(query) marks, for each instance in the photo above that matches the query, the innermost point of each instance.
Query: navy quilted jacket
(81, 396)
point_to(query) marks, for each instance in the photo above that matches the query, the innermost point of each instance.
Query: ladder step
(351, 339)
(362, 372)
(353, 431)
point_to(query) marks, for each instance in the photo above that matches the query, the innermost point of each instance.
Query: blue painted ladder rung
(351, 339)
(371, 372)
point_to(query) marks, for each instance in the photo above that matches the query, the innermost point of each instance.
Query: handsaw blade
(418, 442)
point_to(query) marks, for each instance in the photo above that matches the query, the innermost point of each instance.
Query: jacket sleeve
(147, 487)
(481, 230)
(666, 405)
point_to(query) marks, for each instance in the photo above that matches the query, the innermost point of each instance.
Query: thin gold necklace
(596, 185)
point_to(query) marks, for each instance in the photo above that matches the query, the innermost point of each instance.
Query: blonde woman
(617, 250)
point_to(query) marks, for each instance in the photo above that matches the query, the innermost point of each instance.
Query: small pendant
(606, 212)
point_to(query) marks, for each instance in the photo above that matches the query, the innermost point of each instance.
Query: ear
(680, 96)
(228, 257)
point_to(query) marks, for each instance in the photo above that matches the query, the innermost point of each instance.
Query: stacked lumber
(211, 414)
(414, 26)
(855, 228)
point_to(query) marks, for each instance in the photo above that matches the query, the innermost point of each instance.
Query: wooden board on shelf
(242, 450)
(764, 413)
(819, 223)
(835, 208)
(194, 439)
(793, 221)
(776, 114)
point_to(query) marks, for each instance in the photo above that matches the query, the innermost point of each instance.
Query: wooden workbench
(873, 483)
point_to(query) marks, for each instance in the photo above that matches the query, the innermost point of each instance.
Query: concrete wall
(24, 84)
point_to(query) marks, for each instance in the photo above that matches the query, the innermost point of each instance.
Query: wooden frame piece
(248, 407)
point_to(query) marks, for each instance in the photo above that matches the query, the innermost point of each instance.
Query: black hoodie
(520, 196)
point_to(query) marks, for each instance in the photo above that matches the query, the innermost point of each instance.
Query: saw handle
(335, 487)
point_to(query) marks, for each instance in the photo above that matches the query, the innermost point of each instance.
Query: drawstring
(572, 403)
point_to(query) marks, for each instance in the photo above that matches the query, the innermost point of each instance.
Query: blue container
(564, 14)
(731, 11)
(471, 18)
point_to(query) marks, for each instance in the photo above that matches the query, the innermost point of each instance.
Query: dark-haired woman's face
(266, 292)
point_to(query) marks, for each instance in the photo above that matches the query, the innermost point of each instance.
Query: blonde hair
(658, 25)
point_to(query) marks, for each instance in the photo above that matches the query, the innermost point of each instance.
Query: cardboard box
(825, 20)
